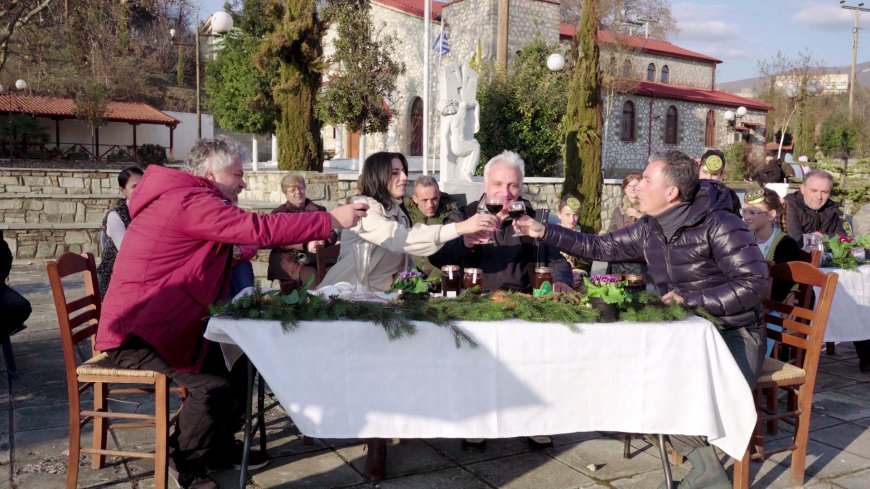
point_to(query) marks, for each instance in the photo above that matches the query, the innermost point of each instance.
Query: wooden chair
(326, 258)
(803, 331)
(78, 321)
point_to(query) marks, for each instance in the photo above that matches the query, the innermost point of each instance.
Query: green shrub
(152, 154)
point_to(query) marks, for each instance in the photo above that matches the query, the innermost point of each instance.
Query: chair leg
(772, 406)
(802, 435)
(741, 472)
(9, 358)
(626, 446)
(831, 348)
(101, 425)
(75, 431)
(161, 431)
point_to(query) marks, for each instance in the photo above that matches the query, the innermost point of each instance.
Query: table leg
(261, 411)
(243, 475)
(663, 451)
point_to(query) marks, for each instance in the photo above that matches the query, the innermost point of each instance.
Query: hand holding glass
(516, 210)
(360, 199)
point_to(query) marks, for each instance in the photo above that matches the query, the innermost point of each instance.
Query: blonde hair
(292, 179)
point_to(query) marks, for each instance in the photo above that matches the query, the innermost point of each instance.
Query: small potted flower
(605, 293)
(411, 286)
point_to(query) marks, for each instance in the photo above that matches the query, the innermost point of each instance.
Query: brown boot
(376, 460)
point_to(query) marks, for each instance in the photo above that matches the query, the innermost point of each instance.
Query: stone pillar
(274, 149)
(362, 151)
(254, 152)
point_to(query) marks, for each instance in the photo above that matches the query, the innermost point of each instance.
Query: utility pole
(856, 12)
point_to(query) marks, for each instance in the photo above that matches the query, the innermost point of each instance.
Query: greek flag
(442, 45)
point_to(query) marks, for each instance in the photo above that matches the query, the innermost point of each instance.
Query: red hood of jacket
(175, 260)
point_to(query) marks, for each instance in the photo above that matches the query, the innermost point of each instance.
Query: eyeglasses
(753, 212)
(632, 186)
(295, 189)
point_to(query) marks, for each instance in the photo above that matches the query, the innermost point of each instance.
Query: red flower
(846, 239)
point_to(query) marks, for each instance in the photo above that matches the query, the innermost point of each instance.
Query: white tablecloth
(344, 379)
(850, 313)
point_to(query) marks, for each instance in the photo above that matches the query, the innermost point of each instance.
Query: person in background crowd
(861, 227)
(699, 254)
(763, 214)
(115, 225)
(772, 171)
(175, 262)
(568, 215)
(387, 226)
(626, 214)
(428, 205)
(14, 308)
(811, 211)
(296, 261)
(711, 166)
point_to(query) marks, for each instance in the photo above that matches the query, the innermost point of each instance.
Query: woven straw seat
(101, 365)
(776, 371)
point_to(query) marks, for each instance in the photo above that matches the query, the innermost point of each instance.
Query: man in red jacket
(175, 263)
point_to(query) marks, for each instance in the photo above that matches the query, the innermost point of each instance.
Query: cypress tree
(583, 122)
(295, 44)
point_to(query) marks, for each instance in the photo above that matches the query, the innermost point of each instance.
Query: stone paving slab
(34, 438)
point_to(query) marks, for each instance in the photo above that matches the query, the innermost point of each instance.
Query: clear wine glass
(360, 199)
(517, 209)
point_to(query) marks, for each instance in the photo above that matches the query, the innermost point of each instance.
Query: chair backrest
(77, 318)
(326, 258)
(803, 327)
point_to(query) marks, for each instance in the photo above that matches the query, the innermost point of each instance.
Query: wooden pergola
(58, 109)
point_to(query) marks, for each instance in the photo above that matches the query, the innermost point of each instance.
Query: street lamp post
(220, 24)
(19, 86)
(732, 117)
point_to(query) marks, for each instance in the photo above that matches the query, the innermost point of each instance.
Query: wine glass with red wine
(494, 204)
(517, 209)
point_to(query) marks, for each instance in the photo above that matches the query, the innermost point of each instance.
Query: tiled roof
(65, 108)
(413, 7)
(566, 31)
(712, 97)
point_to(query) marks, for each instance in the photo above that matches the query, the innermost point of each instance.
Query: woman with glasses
(296, 261)
(764, 215)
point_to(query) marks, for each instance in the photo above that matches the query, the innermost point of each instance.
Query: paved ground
(33, 437)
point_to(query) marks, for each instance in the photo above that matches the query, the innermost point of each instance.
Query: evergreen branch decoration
(397, 317)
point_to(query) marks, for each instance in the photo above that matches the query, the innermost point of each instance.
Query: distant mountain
(863, 76)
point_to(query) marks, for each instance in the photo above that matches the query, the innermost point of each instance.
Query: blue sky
(741, 32)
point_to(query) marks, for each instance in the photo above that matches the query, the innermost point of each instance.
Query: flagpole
(427, 14)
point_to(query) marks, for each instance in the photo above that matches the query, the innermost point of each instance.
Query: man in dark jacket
(14, 308)
(429, 205)
(711, 166)
(699, 254)
(811, 211)
(508, 261)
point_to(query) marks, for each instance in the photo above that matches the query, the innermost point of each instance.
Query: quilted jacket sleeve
(736, 254)
(624, 244)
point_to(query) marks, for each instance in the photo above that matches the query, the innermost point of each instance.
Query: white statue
(460, 121)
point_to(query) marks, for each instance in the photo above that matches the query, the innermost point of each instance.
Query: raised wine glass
(517, 209)
(360, 199)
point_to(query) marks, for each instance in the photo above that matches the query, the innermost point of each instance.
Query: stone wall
(36, 208)
(649, 134)
(682, 71)
(36, 181)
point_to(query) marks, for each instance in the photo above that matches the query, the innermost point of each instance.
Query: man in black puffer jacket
(811, 210)
(699, 254)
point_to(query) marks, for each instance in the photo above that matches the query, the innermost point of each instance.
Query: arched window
(710, 130)
(666, 72)
(416, 127)
(671, 126)
(651, 72)
(626, 69)
(628, 121)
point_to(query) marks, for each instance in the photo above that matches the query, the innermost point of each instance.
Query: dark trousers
(242, 276)
(863, 349)
(748, 349)
(14, 309)
(213, 411)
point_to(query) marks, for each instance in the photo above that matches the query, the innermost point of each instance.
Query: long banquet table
(850, 310)
(345, 379)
